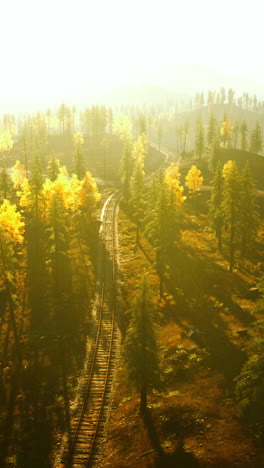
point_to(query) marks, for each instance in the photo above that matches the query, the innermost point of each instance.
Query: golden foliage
(18, 174)
(89, 194)
(140, 148)
(11, 222)
(194, 179)
(172, 181)
(227, 129)
(229, 167)
(6, 141)
(78, 139)
(123, 128)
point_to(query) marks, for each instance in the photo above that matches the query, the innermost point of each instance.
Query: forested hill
(241, 157)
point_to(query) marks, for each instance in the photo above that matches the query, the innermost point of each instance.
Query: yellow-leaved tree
(18, 174)
(89, 198)
(123, 128)
(6, 141)
(226, 131)
(172, 181)
(11, 238)
(194, 180)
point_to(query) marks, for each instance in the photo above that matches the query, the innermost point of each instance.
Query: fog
(85, 52)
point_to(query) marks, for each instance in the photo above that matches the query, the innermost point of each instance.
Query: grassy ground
(194, 418)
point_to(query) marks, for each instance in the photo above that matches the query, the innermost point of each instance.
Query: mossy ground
(195, 416)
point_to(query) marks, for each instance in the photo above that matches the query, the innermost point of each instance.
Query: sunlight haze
(62, 50)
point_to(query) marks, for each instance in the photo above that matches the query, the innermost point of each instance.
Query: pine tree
(5, 182)
(89, 197)
(53, 168)
(185, 134)
(126, 168)
(140, 346)
(232, 205)
(199, 137)
(243, 135)
(78, 160)
(160, 130)
(235, 134)
(163, 219)
(249, 217)
(256, 139)
(249, 388)
(212, 130)
(213, 157)
(216, 211)
(137, 190)
(56, 229)
(36, 183)
(32, 202)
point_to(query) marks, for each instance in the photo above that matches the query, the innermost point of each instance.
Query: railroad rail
(87, 429)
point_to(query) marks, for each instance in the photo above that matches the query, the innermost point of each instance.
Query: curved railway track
(87, 429)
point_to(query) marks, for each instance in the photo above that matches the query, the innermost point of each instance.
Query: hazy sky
(58, 48)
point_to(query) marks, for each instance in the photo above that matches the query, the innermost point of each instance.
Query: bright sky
(62, 47)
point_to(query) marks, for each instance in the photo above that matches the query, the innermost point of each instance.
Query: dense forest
(188, 383)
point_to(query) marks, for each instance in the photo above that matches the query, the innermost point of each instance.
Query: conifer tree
(53, 168)
(256, 139)
(243, 136)
(56, 229)
(89, 197)
(185, 134)
(140, 346)
(36, 183)
(110, 118)
(126, 168)
(212, 130)
(235, 134)
(78, 160)
(25, 144)
(137, 190)
(163, 218)
(160, 130)
(199, 137)
(216, 211)
(231, 205)
(249, 388)
(5, 182)
(31, 199)
(248, 217)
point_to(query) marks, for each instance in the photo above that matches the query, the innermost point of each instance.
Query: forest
(131, 238)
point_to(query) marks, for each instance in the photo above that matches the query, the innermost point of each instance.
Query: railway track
(87, 429)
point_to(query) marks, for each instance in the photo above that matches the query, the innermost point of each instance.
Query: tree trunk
(219, 237)
(232, 236)
(143, 399)
(160, 271)
(137, 238)
(10, 305)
